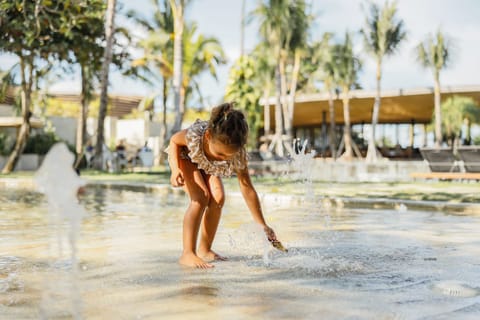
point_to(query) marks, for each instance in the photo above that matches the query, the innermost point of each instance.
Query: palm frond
(383, 32)
(435, 52)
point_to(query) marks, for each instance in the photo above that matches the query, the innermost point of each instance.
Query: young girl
(199, 156)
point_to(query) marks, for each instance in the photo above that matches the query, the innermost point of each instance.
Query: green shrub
(5, 144)
(476, 141)
(40, 143)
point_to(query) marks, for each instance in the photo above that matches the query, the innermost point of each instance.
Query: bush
(40, 143)
(476, 141)
(36, 144)
(5, 144)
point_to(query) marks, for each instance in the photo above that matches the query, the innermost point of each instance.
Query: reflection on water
(341, 264)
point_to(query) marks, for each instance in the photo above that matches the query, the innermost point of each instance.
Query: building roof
(16, 122)
(120, 105)
(397, 106)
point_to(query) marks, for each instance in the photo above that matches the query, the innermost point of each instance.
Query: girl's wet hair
(228, 125)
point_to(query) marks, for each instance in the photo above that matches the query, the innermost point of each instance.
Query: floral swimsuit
(194, 152)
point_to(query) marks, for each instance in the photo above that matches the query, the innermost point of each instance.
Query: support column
(324, 133)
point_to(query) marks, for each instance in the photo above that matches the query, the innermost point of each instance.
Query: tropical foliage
(458, 114)
(284, 26)
(346, 66)
(243, 90)
(39, 33)
(155, 66)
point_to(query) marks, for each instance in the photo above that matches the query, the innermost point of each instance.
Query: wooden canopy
(16, 122)
(397, 106)
(120, 105)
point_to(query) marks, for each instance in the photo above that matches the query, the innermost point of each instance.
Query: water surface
(341, 264)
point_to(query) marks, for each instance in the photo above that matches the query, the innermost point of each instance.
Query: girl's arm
(177, 141)
(253, 202)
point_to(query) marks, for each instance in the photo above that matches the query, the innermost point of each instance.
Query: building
(414, 107)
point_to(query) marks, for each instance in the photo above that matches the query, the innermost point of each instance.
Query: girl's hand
(270, 234)
(176, 179)
(273, 239)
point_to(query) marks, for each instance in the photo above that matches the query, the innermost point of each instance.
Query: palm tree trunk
(283, 91)
(266, 111)
(347, 135)
(278, 116)
(24, 130)
(177, 8)
(438, 111)
(331, 108)
(107, 59)
(372, 149)
(411, 134)
(163, 130)
(468, 134)
(82, 119)
(291, 95)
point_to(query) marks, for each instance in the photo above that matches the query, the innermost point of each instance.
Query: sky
(459, 19)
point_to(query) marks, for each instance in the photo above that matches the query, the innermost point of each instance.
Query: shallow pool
(342, 263)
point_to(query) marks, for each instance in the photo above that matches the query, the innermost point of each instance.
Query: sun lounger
(440, 159)
(470, 155)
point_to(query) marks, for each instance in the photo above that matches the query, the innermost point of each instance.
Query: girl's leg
(211, 218)
(199, 194)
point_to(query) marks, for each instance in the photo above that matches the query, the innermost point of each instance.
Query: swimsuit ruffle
(218, 168)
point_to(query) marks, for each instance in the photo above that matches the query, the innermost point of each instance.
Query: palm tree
(156, 64)
(201, 54)
(300, 23)
(284, 25)
(265, 73)
(322, 59)
(382, 34)
(435, 53)
(274, 19)
(88, 51)
(107, 59)
(330, 83)
(347, 67)
(243, 89)
(178, 10)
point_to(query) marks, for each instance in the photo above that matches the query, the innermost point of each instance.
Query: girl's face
(216, 150)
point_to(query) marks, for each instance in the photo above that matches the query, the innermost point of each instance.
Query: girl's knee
(218, 200)
(201, 201)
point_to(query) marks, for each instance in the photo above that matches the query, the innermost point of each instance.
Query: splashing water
(303, 163)
(57, 179)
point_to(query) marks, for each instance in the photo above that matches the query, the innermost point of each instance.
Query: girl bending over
(199, 157)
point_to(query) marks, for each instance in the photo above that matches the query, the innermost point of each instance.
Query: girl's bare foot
(211, 256)
(192, 260)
